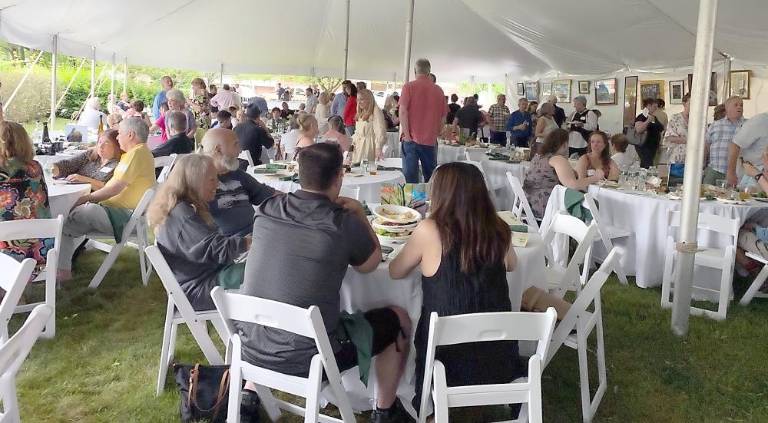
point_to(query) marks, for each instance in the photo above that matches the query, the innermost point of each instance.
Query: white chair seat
(754, 289)
(711, 257)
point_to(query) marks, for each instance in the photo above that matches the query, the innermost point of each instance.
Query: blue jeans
(413, 153)
(499, 138)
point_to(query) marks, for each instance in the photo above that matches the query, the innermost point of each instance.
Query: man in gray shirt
(303, 244)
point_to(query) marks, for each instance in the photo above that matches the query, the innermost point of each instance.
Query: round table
(370, 185)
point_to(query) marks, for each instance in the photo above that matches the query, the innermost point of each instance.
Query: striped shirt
(719, 136)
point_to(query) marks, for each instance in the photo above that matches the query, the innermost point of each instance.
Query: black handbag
(204, 392)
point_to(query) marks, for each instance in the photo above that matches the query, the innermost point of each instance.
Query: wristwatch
(758, 176)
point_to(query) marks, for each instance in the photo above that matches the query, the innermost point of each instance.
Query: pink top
(423, 109)
(161, 123)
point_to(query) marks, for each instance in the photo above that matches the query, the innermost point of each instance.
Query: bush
(33, 101)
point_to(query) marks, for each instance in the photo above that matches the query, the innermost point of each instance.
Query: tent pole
(726, 77)
(21, 82)
(69, 84)
(54, 76)
(125, 75)
(346, 41)
(112, 79)
(221, 74)
(93, 71)
(408, 42)
(694, 157)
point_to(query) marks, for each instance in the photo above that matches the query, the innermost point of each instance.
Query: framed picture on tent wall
(740, 83)
(532, 90)
(676, 90)
(583, 87)
(630, 100)
(546, 90)
(562, 89)
(520, 89)
(605, 91)
(652, 89)
(712, 87)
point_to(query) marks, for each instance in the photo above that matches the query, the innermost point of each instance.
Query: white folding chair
(584, 321)
(246, 155)
(136, 228)
(166, 163)
(722, 259)
(486, 327)
(607, 233)
(350, 192)
(12, 356)
(521, 208)
(559, 279)
(38, 228)
(179, 311)
(754, 289)
(479, 165)
(304, 322)
(13, 280)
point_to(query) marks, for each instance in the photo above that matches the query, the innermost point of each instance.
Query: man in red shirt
(422, 113)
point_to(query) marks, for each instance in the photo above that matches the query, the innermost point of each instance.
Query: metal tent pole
(112, 78)
(125, 75)
(93, 71)
(54, 77)
(23, 79)
(221, 74)
(346, 40)
(69, 84)
(694, 157)
(408, 42)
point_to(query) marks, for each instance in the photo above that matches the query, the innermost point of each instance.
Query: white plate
(397, 214)
(377, 223)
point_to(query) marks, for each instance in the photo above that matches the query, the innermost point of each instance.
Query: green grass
(102, 365)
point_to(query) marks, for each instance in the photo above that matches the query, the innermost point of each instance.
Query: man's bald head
(222, 145)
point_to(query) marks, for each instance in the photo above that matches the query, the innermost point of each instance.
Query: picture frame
(676, 91)
(652, 89)
(712, 88)
(630, 100)
(562, 89)
(605, 91)
(520, 89)
(740, 82)
(584, 87)
(546, 90)
(532, 90)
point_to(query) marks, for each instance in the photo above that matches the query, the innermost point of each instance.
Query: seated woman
(200, 257)
(94, 166)
(23, 193)
(624, 154)
(753, 235)
(598, 157)
(336, 133)
(370, 134)
(307, 130)
(551, 167)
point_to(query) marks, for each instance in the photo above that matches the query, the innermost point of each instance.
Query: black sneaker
(394, 414)
(79, 250)
(249, 407)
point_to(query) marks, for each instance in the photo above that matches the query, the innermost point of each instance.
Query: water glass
(364, 166)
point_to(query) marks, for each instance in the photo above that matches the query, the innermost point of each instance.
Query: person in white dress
(544, 125)
(624, 154)
(91, 115)
(370, 129)
(323, 112)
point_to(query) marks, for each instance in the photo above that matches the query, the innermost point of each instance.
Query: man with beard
(238, 192)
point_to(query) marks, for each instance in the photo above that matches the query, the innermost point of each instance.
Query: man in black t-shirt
(452, 109)
(252, 133)
(647, 122)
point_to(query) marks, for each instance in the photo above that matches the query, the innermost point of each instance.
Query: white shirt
(322, 112)
(625, 160)
(289, 141)
(224, 100)
(90, 118)
(575, 140)
(753, 140)
(311, 103)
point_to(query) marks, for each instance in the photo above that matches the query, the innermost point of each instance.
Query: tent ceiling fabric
(484, 39)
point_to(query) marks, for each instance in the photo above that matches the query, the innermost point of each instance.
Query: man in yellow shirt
(107, 210)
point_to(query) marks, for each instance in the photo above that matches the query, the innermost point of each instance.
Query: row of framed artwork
(605, 89)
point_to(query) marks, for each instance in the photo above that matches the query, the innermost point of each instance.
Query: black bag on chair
(204, 392)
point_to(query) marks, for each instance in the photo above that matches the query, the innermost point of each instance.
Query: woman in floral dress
(23, 193)
(201, 107)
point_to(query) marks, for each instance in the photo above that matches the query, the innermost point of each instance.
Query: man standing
(422, 113)
(340, 100)
(252, 133)
(167, 83)
(718, 143)
(311, 101)
(225, 98)
(559, 114)
(499, 114)
(469, 118)
(238, 192)
(520, 125)
(581, 125)
(178, 141)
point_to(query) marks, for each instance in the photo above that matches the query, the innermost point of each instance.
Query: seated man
(178, 141)
(223, 120)
(106, 211)
(253, 134)
(238, 192)
(303, 244)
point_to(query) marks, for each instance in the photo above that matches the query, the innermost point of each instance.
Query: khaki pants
(536, 299)
(82, 220)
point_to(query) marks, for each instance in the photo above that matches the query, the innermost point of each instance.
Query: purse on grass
(203, 391)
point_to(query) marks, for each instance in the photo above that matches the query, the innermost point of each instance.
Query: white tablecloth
(370, 185)
(456, 153)
(61, 197)
(496, 178)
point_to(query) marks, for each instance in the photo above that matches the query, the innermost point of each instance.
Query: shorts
(386, 329)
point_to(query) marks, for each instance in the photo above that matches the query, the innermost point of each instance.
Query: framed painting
(712, 87)
(583, 87)
(676, 90)
(532, 90)
(630, 100)
(605, 91)
(546, 90)
(562, 89)
(520, 89)
(652, 89)
(740, 83)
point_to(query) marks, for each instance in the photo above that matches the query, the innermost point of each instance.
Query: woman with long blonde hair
(201, 258)
(370, 128)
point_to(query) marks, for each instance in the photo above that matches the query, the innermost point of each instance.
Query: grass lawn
(102, 365)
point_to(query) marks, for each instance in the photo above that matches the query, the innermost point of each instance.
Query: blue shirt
(337, 107)
(517, 118)
(232, 209)
(159, 99)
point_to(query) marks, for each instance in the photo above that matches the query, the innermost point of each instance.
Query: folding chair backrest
(584, 235)
(521, 208)
(246, 155)
(13, 230)
(170, 283)
(710, 222)
(138, 213)
(165, 162)
(592, 206)
(13, 279)
(15, 350)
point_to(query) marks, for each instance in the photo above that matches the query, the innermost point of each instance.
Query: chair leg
(312, 407)
(666, 282)
(50, 300)
(602, 374)
(165, 351)
(269, 402)
(439, 393)
(584, 375)
(221, 329)
(200, 333)
(756, 284)
(235, 387)
(10, 399)
(144, 264)
(106, 265)
(726, 282)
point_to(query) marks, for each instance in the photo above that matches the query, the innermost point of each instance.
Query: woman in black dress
(463, 250)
